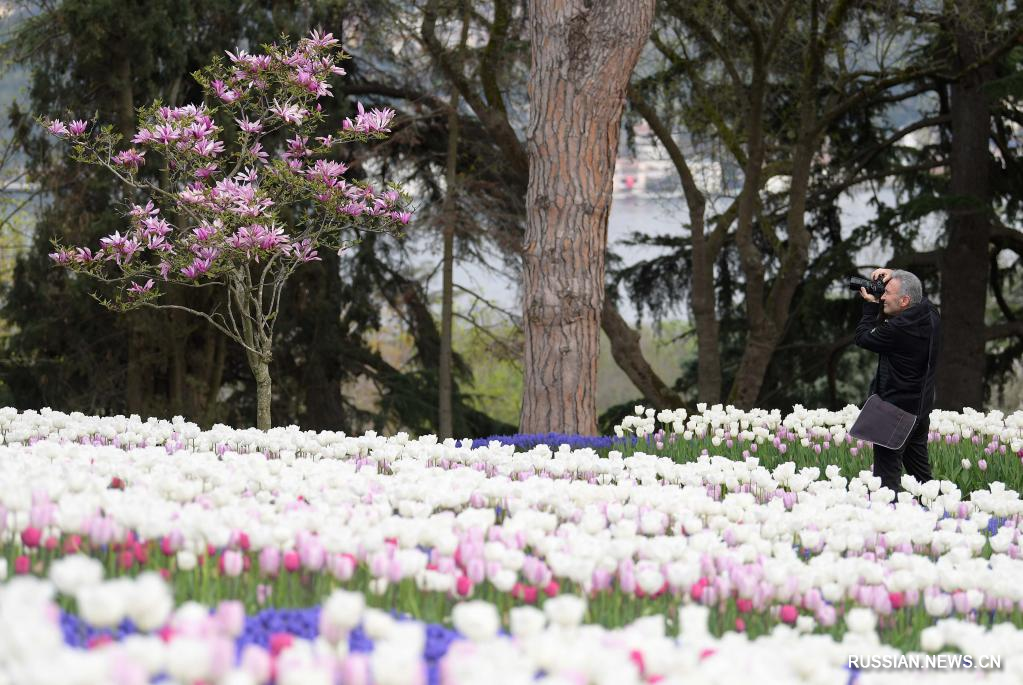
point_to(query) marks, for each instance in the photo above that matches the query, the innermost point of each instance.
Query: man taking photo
(903, 329)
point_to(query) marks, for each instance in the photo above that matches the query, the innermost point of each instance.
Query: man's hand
(867, 296)
(886, 274)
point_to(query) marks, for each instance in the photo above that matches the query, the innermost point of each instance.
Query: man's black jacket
(902, 342)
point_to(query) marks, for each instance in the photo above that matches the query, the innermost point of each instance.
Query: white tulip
(186, 560)
(188, 659)
(150, 601)
(104, 605)
(861, 620)
(526, 621)
(566, 611)
(377, 624)
(343, 610)
(477, 620)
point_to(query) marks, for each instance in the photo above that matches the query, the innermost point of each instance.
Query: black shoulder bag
(882, 423)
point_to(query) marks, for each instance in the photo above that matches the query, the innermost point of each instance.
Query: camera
(875, 288)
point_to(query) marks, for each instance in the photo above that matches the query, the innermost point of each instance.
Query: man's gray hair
(909, 285)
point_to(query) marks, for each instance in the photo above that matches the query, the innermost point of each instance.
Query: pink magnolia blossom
(138, 211)
(77, 127)
(303, 251)
(226, 94)
(155, 225)
(320, 40)
(130, 158)
(84, 255)
(289, 113)
(326, 171)
(166, 134)
(208, 148)
(58, 128)
(253, 63)
(197, 268)
(206, 171)
(137, 289)
(143, 137)
(373, 121)
(249, 175)
(354, 208)
(249, 126)
(305, 79)
(159, 243)
(192, 196)
(204, 231)
(202, 127)
(205, 253)
(259, 153)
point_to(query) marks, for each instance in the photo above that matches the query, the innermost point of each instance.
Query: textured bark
(261, 372)
(964, 262)
(627, 354)
(582, 56)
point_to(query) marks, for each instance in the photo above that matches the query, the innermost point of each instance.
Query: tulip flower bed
(616, 545)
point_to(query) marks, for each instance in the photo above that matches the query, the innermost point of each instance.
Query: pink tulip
(475, 569)
(826, 615)
(232, 563)
(31, 537)
(788, 613)
(291, 561)
(601, 580)
(961, 602)
(269, 561)
(257, 663)
(230, 617)
(312, 555)
(355, 669)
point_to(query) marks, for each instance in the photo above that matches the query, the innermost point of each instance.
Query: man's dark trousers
(888, 463)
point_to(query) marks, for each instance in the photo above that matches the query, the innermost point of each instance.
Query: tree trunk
(759, 346)
(769, 317)
(261, 372)
(627, 354)
(964, 262)
(582, 56)
(705, 253)
(444, 383)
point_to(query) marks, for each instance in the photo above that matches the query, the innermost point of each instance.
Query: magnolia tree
(224, 212)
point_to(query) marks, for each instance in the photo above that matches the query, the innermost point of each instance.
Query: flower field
(702, 548)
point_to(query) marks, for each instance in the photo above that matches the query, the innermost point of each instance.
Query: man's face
(892, 301)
